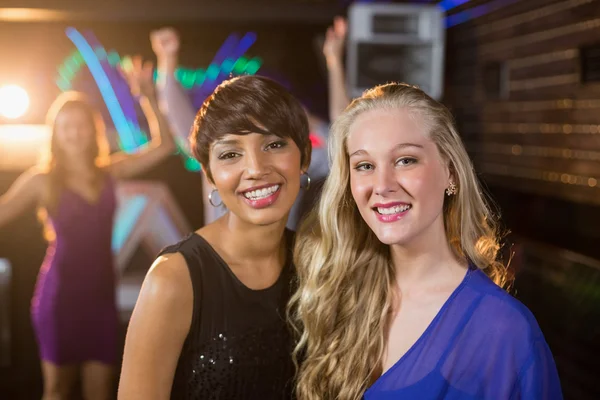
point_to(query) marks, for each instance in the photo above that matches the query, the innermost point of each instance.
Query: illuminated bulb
(14, 101)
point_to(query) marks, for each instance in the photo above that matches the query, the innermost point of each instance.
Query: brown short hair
(249, 104)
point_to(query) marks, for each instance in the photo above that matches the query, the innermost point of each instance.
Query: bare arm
(333, 50)
(159, 325)
(162, 144)
(176, 105)
(338, 96)
(25, 191)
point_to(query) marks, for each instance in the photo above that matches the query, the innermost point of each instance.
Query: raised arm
(176, 105)
(24, 192)
(333, 50)
(162, 144)
(159, 325)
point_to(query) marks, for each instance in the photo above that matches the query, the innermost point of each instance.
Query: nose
(70, 134)
(74, 131)
(257, 164)
(385, 181)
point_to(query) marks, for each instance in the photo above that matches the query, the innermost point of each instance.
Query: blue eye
(406, 161)
(364, 167)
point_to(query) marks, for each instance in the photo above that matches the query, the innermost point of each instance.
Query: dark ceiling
(178, 10)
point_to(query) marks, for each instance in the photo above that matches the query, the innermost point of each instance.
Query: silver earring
(452, 189)
(210, 198)
(307, 181)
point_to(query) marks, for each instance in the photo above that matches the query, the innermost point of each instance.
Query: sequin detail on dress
(252, 365)
(239, 345)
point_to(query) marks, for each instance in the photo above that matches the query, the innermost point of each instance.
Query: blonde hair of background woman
(342, 306)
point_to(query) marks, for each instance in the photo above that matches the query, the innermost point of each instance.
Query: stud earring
(452, 189)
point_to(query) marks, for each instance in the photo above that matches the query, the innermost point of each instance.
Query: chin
(75, 151)
(391, 236)
(267, 217)
(266, 221)
(392, 240)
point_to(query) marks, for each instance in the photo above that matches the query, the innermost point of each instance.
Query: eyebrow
(397, 147)
(235, 142)
(226, 142)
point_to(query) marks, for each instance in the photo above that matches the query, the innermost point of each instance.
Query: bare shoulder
(165, 302)
(157, 330)
(30, 185)
(38, 173)
(36, 177)
(169, 280)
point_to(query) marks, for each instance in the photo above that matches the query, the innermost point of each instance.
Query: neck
(79, 167)
(251, 242)
(427, 258)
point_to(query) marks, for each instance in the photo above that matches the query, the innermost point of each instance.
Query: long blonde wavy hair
(345, 275)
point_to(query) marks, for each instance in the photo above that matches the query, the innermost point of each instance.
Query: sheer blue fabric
(483, 344)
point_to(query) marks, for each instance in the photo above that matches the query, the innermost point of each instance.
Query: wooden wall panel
(543, 136)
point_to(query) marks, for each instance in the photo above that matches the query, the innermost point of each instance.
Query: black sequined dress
(238, 346)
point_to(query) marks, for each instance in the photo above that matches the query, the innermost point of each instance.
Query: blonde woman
(73, 310)
(399, 287)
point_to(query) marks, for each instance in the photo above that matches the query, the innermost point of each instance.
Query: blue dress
(483, 344)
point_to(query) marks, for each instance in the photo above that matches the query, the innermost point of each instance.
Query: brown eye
(277, 145)
(228, 156)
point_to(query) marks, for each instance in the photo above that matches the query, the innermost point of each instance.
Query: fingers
(164, 40)
(138, 73)
(164, 32)
(330, 34)
(148, 72)
(126, 65)
(136, 64)
(148, 66)
(337, 32)
(159, 34)
(340, 27)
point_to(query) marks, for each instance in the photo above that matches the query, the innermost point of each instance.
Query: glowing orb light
(14, 101)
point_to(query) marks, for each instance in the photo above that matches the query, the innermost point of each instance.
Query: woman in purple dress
(74, 310)
(400, 288)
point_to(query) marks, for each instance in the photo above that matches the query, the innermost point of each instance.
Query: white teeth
(261, 193)
(393, 210)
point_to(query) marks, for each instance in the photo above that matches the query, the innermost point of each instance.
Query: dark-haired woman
(180, 111)
(210, 319)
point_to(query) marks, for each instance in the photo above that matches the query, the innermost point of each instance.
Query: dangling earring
(452, 189)
(210, 198)
(307, 181)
